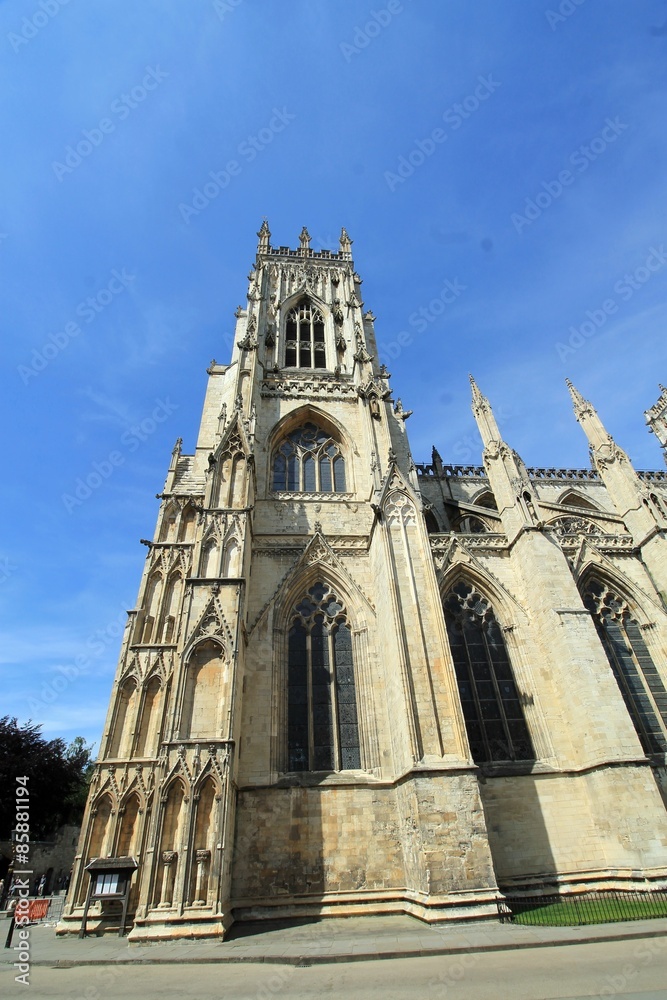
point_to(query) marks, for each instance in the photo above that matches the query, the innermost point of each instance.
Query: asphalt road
(619, 969)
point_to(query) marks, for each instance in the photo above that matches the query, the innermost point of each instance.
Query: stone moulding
(605, 543)
(429, 471)
(440, 543)
(474, 905)
(315, 389)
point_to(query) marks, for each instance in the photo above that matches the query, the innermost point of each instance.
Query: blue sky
(516, 150)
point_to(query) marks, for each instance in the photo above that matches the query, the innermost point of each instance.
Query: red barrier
(37, 909)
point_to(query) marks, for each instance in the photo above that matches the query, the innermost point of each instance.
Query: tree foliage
(58, 777)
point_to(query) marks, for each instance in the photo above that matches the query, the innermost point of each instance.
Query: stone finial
(264, 234)
(304, 239)
(345, 241)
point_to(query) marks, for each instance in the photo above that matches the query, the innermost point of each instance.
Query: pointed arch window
(492, 710)
(631, 663)
(322, 725)
(309, 460)
(304, 337)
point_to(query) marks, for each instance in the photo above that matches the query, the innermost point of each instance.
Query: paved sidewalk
(351, 939)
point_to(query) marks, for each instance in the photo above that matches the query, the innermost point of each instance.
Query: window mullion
(335, 721)
(473, 688)
(309, 681)
(499, 699)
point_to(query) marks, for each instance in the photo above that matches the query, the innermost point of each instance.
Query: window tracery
(322, 725)
(492, 709)
(309, 460)
(631, 663)
(304, 337)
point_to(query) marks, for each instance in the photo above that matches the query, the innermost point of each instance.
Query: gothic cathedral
(353, 684)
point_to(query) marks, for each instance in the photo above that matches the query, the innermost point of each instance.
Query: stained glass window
(322, 725)
(308, 460)
(492, 709)
(632, 665)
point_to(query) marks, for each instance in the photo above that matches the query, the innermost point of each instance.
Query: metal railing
(603, 907)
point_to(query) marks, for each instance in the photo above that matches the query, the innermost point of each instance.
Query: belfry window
(631, 663)
(309, 460)
(492, 710)
(322, 727)
(304, 337)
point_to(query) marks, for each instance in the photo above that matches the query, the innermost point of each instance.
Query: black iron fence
(603, 907)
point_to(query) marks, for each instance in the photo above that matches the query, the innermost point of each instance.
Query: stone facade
(355, 684)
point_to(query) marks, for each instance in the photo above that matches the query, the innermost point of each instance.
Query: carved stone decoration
(249, 342)
(574, 526)
(398, 508)
(168, 857)
(202, 855)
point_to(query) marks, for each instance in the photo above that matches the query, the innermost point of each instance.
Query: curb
(305, 961)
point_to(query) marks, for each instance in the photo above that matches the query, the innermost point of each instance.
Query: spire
(264, 234)
(477, 398)
(486, 422)
(517, 503)
(580, 404)
(588, 417)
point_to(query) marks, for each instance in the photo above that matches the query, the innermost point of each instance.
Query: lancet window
(322, 725)
(309, 460)
(304, 337)
(492, 709)
(632, 665)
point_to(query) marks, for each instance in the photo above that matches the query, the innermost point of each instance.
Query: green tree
(58, 777)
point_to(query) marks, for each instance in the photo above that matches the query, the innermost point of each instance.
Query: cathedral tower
(352, 684)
